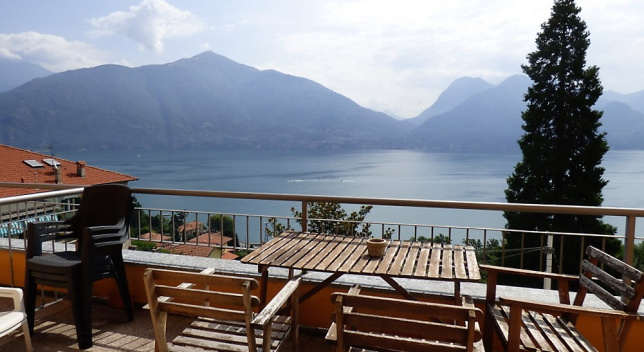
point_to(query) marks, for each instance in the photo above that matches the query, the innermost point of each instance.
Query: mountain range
(209, 101)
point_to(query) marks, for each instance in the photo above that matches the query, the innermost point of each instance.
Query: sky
(391, 56)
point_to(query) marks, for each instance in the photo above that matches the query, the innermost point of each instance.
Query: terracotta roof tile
(14, 169)
(229, 255)
(212, 239)
(190, 249)
(191, 226)
(154, 237)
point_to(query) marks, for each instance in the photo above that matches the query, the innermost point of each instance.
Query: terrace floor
(54, 331)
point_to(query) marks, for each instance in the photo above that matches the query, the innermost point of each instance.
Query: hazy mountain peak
(18, 72)
(516, 83)
(457, 92)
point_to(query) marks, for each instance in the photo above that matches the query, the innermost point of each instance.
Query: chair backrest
(199, 295)
(108, 204)
(403, 325)
(596, 277)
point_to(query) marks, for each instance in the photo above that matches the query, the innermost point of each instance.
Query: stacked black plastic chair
(100, 227)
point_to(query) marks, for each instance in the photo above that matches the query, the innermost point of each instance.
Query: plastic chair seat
(14, 319)
(10, 321)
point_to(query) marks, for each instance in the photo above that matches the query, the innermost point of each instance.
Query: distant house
(23, 166)
(192, 228)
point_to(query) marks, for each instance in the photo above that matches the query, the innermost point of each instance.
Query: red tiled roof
(14, 169)
(154, 237)
(190, 249)
(211, 239)
(191, 226)
(229, 255)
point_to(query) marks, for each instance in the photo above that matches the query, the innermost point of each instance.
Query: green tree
(274, 227)
(562, 148)
(328, 218)
(225, 222)
(319, 214)
(440, 238)
(218, 221)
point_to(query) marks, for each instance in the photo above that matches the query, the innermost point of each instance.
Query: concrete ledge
(432, 288)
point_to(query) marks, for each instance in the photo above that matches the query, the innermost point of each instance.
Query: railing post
(305, 216)
(549, 250)
(629, 240)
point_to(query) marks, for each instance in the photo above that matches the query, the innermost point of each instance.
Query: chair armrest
(525, 272)
(270, 310)
(16, 295)
(558, 308)
(492, 279)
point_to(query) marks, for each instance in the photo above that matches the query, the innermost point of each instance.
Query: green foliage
(562, 148)
(273, 228)
(440, 238)
(225, 222)
(346, 225)
(219, 221)
(488, 254)
(328, 218)
(145, 246)
(638, 256)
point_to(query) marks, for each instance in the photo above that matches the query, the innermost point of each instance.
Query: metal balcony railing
(247, 231)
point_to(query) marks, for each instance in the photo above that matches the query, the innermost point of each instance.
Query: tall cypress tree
(562, 147)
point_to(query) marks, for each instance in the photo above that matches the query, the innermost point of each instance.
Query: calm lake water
(381, 173)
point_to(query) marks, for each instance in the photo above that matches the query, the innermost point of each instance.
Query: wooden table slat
(287, 250)
(435, 261)
(459, 263)
(403, 250)
(473, 271)
(268, 248)
(344, 255)
(355, 250)
(316, 251)
(299, 250)
(387, 258)
(330, 259)
(446, 266)
(423, 259)
(410, 262)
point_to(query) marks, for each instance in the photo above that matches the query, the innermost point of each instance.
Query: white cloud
(149, 24)
(49, 51)
(400, 55)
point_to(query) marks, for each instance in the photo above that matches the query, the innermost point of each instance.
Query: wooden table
(341, 255)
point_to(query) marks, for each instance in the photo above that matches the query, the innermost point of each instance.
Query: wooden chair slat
(616, 264)
(609, 280)
(601, 293)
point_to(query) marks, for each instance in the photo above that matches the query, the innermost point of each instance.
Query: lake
(363, 173)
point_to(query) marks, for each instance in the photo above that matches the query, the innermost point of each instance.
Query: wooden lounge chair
(535, 326)
(364, 323)
(224, 310)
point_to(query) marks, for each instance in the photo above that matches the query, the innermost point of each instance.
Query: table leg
(457, 292)
(263, 269)
(320, 286)
(397, 287)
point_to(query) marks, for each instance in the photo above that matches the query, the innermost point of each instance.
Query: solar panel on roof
(33, 163)
(51, 162)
